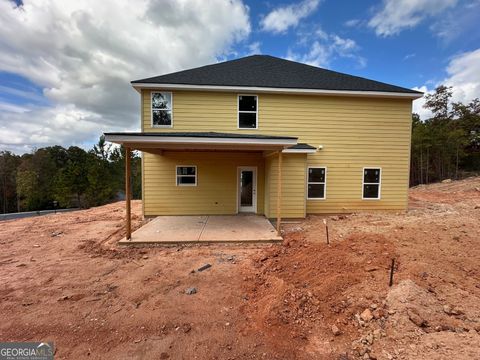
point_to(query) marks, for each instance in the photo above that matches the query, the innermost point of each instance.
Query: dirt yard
(64, 279)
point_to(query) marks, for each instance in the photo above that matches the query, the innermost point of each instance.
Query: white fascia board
(385, 94)
(120, 139)
(299, 151)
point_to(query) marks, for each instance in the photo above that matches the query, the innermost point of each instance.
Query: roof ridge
(268, 71)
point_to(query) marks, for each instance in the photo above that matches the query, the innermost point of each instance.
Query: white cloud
(22, 92)
(318, 55)
(463, 75)
(8, 107)
(397, 15)
(254, 48)
(324, 48)
(43, 126)
(84, 53)
(352, 22)
(459, 22)
(281, 19)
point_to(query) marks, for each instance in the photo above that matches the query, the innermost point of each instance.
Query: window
(316, 183)
(247, 111)
(371, 183)
(186, 175)
(162, 109)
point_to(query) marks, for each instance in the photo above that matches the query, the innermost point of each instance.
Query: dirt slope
(64, 279)
(432, 312)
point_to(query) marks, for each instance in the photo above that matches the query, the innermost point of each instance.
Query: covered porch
(221, 158)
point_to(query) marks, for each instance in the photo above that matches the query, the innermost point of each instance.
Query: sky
(66, 65)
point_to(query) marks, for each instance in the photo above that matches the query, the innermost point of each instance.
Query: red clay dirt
(64, 279)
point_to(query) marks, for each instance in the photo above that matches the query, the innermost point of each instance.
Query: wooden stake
(128, 195)
(279, 193)
(391, 273)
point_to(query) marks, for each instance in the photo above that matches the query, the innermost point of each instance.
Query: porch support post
(279, 192)
(128, 195)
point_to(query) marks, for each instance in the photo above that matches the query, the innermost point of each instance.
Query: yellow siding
(293, 185)
(355, 133)
(216, 192)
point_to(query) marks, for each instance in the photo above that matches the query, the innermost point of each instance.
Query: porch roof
(199, 141)
(301, 148)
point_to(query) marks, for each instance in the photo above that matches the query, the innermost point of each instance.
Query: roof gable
(272, 72)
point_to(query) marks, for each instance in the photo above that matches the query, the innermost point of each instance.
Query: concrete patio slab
(239, 228)
(203, 229)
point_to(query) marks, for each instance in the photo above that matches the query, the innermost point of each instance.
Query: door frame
(254, 190)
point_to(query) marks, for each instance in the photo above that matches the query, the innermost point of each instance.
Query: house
(271, 136)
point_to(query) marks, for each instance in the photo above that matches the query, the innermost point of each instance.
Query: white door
(247, 189)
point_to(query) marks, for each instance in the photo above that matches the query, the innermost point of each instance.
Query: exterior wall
(216, 191)
(293, 185)
(355, 132)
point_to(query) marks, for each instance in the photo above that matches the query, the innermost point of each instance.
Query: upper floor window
(247, 112)
(162, 109)
(372, 178)
(316, 183)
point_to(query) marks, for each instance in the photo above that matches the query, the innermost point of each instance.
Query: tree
(101, 186)
(438, 102)
(448, 143)
(117, 158)
(8, 174)
(39, 171)
(26, 185)
(71, 181)
(102, 148)
(73, 177)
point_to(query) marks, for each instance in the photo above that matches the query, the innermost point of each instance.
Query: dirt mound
(333, 301)
(422, 326)
(305, 288)
(448, 192)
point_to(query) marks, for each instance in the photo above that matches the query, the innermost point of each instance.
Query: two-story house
(270, 136)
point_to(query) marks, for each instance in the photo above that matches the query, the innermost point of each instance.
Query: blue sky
(65, 66)
(410, 58)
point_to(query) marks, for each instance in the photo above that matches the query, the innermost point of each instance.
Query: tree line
(447, 145)
(70, 177)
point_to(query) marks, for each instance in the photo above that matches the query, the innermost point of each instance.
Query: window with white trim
(316, 182)
(162, 109)
(372, 178)
(247, 111)
(186, 175)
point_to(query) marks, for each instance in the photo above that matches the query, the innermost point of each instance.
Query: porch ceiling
(158, 141)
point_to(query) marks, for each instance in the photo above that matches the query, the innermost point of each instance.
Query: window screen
(186, 175)
(371, 183)
(247, 111)
(316, 182)
(162, 109)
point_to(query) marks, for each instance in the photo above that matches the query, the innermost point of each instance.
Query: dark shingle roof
(303, 146)
(209, 134)
(273, 72)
